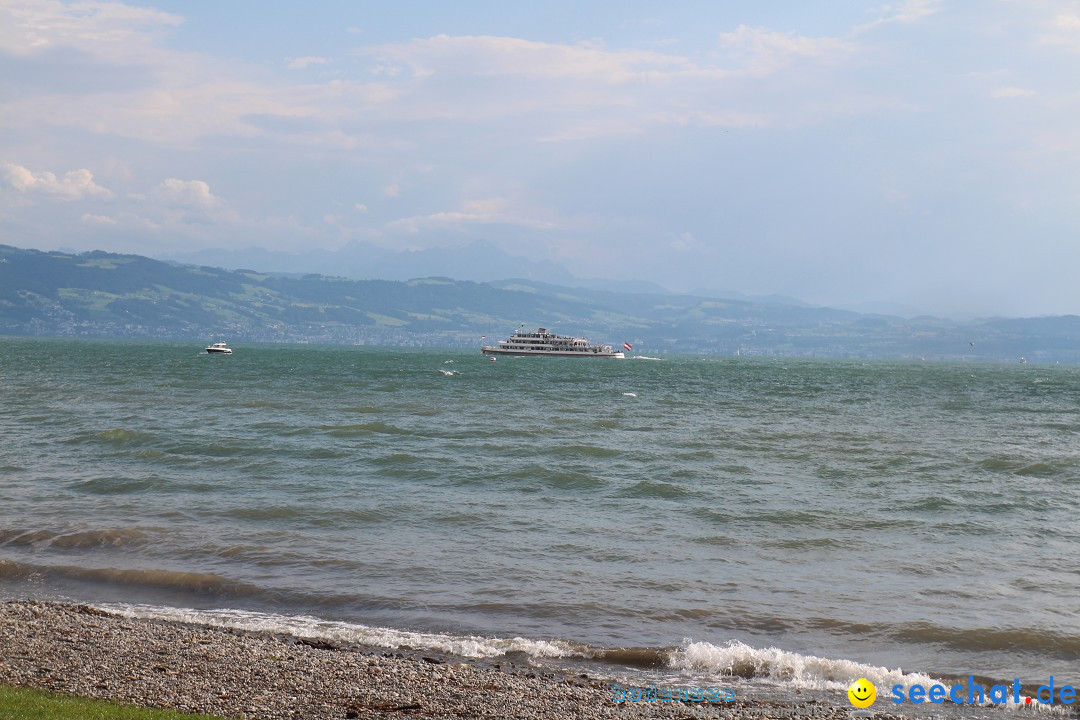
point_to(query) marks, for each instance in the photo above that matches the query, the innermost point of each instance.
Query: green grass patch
(28, 704)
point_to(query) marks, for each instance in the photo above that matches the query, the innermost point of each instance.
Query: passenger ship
(543, 342)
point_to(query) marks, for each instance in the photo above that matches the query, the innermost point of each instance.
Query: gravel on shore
(88, 652)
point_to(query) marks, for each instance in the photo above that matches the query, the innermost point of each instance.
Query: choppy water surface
(708, 515)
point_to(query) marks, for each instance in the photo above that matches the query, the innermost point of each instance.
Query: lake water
(791, 522)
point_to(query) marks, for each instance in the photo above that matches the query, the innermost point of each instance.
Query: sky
(924, 153)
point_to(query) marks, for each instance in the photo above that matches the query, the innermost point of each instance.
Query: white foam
(312, 628)
(1030, 704)
(449, 372)
(630, 394)
(785, 667)
(782, 667)
(697, 659)
(644, 357)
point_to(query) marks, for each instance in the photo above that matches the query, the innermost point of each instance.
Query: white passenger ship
(543, 342)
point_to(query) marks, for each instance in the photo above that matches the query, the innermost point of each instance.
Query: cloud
(685, 241)
(905, 12)
(31, 25)
(561, 91)
(1011, 92)
(67, 71)
(912, 10)
(579, 92)
(301, 63)
(186, 193)
(1064, 30)
(487, 206)
(493, 56)
(487, 211)
(97, 219)
(102, 68)
(1067, 23)
(769, 51)
(74, 185)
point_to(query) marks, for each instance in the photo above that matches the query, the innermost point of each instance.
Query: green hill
(110, 295)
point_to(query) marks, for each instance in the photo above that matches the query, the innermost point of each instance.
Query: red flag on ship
(628, 346)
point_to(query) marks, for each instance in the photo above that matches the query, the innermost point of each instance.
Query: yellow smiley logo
(862, 693)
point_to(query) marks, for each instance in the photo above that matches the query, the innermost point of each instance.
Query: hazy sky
(924, 152)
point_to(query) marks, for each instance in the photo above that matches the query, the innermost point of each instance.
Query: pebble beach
(85, 651)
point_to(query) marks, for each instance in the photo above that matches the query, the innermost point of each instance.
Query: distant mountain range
(478, 261)
(110, 295)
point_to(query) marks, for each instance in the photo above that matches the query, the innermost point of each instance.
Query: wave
(116, 485)
(737, 659)
(79, 539)
(589, 452)
(696, 662)
(347, 634)
(651, 489)
(351, 635)
(363, 429)
(694, 659)
(113, 436)
(534, 475)
(202, 583)
(1024, 467)
(263, 404)
(1046, 643)
(810, 672)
